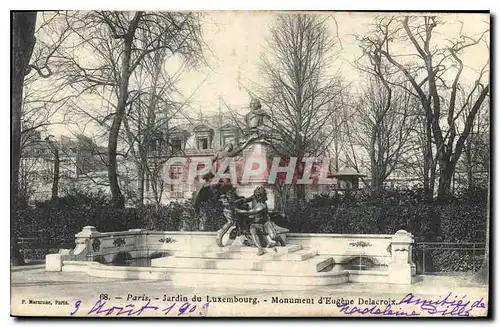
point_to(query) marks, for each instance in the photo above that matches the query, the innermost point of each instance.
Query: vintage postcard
(250, 164)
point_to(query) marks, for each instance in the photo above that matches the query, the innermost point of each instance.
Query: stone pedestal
(254, 157)
(53, 262)
(87, 243)
(400, 268)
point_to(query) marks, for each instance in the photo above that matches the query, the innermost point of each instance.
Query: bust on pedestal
(256, 120)
(255, 153)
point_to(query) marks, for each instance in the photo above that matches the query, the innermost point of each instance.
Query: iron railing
(448, 257)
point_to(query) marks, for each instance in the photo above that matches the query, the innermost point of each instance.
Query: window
(177, 194)
(153, 145)
(204, 135)
(35, 176)
(176, 145)
(203, 143)
(155, 142)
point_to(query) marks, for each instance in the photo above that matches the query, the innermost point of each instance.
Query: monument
(249, 249)
(252, 225)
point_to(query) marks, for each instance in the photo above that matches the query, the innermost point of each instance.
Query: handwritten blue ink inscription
(374, 310)
(449, 305)
(102, 308)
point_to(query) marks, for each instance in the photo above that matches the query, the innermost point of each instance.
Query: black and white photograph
(206, 164)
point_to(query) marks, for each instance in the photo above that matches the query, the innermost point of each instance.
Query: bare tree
(148, 121)
(118, 43)
(143, 133)
(381, 126)
(429, 77)
(300, 90)
(39, 111)
(146, 128)
(476, 154)
(340, 144)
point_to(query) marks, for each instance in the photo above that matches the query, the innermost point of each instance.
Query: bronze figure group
(254, 223)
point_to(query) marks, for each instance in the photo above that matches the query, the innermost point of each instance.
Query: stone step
(300, 262)
(270, 255)
(200, 263)
(301, 255)
(221, 277)
(312, 265)
(251, 249)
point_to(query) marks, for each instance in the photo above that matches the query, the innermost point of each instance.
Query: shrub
(454, 261)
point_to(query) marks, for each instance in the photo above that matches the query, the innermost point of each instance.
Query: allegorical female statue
(262, 228)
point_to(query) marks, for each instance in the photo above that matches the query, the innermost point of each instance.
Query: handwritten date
(102, 308)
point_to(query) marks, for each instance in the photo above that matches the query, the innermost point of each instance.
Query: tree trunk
(140, 188)
(428, 164)
(117, 197)
(470, 177)
(427, 189)
(23, 41)
(56, 176)
(377, 180)
(432, 180)
(300, 192)
(376, 184)
(469, 167)
(445, 178)
(149, 134)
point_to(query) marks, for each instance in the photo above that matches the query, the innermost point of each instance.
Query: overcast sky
(237, 39)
